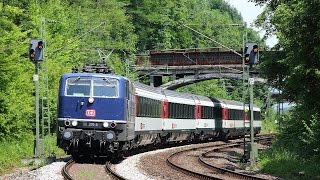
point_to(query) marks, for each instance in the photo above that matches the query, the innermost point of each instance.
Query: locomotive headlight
(105, 124)
(110, 136)
(67, 134)
(74, 123)
(91, 100)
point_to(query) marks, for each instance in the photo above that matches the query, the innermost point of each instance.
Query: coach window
(157, 107)
(150, 107)
(184, 111)
(190, 112)
(145, 107)
(210, 112)
(170, 110)
(204, 114)
(177, 110)
(174, 111)
(141, 107)
(256, 115)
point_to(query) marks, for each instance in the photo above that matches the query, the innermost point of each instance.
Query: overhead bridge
(204, 64)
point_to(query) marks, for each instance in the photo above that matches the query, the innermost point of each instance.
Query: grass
(284, 164)
(87, 174)
(13, 151)
(268, 123)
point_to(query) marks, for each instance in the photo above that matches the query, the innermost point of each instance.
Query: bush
(296, 148)
(300, 133)
(13, 151)
(285, 164)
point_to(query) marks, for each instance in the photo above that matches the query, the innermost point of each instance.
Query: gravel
(130, 168)
(49, 172)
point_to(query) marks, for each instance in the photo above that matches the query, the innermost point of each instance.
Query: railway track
(216, 172)
(201, 159)
(109, 169)
(65, 170)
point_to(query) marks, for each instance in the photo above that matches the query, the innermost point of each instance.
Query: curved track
(219, 172)
(109, 166)
(65, 170)
(110, 170)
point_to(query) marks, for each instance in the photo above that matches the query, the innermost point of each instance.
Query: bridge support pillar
(155, 81)
(173, 77)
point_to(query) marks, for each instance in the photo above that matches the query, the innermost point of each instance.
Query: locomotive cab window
(97, 87)
(105, 88)
(78, 87)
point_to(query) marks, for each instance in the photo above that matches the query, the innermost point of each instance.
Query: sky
(249, 12)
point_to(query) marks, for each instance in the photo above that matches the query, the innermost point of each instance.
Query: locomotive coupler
(116, 145)
(75, 143)
(102, 146)
(88, 143)
(89, 136)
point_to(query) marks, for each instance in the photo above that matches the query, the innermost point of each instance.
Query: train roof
(67, 75)
(140, 86)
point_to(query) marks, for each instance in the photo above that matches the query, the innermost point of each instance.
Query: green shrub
(287, 165)
(13, 151)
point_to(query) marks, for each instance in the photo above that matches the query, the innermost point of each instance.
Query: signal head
(40, 44)
(36, 49)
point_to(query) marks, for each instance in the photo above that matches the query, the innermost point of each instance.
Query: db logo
(90, 112)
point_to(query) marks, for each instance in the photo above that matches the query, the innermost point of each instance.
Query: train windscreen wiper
(78, 78)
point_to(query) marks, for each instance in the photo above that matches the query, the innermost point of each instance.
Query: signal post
(36, 56)
(250, 58)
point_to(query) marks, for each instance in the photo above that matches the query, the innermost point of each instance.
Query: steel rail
(109, 169)
(65, 170)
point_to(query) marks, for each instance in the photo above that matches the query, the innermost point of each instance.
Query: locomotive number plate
(90, 124)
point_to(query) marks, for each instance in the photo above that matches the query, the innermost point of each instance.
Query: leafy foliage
(15, 88)
(160, 24)
(295, 69)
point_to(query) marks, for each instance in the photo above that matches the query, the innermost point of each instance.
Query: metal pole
(36, 81)
(244, 100)
(252, 153)
(244, 39)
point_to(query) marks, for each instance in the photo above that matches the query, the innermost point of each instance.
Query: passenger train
(106, 114)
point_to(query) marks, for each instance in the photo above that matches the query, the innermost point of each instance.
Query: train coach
(105, 114)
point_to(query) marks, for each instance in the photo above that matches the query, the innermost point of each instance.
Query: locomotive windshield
(96, 87)
(105, 88)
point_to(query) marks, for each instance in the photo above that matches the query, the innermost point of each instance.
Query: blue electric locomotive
(94, 110)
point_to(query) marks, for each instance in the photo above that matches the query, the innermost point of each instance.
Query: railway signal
(36, 50)
(251, 51)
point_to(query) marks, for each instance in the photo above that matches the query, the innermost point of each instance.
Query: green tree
(15, 74)
(159, 24)
(296, 70)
